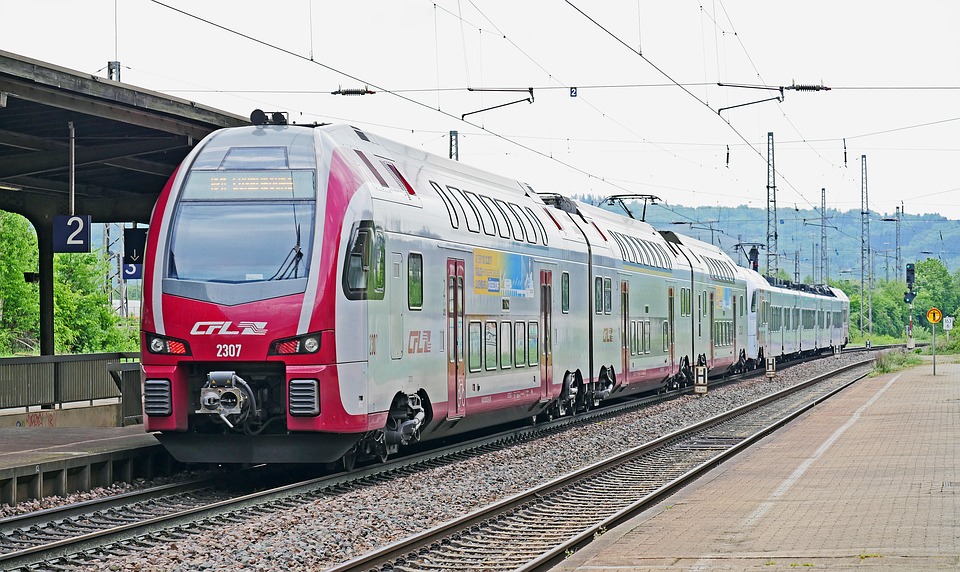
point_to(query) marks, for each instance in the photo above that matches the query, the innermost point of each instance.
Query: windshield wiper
(290, 267)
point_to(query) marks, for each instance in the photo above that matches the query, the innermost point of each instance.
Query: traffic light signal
(910, 274)
(908, 296)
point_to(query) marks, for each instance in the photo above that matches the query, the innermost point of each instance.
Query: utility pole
(455, 145)
(899, 264)
(866, 268)
(772, 252)
(824, 259)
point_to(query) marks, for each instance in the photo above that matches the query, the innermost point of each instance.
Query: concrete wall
(109, 415)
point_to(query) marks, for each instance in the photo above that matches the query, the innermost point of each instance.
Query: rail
(50, 382)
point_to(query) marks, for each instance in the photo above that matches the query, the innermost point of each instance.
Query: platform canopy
(127, 143)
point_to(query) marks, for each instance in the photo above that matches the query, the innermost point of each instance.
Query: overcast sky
(894, 70)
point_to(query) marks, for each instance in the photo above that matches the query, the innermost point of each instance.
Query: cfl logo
(223, 329)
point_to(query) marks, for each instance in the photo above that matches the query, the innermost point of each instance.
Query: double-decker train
(321, 294)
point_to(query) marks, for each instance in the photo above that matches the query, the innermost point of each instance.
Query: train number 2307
(228, 350)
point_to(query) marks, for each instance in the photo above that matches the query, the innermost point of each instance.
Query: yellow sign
(934, 315)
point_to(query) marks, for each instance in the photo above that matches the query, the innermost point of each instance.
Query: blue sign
(133, 271)
(71, 233)
(573, 92)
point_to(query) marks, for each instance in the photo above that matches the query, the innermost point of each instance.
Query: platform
(38, 461)
(870, 479)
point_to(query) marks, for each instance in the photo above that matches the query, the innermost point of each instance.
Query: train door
(733, 334)
(625, 329)
(397, 304)
(546, 343)
(711, 328)
(456, 368)
(670, 318)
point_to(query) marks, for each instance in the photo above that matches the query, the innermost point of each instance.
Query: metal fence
(51, 381)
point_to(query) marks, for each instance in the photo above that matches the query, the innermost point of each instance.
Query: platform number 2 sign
(71, 233)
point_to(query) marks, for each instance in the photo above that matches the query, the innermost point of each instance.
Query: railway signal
(908, 296)
(910, 275)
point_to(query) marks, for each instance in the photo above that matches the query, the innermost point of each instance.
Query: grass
(896, 360)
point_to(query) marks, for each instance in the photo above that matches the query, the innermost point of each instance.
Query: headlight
(167, 346)
(305, 344)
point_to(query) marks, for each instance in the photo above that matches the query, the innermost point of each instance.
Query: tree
(19, 300)
(84, 322)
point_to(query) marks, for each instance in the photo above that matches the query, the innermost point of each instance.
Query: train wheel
(349, 460)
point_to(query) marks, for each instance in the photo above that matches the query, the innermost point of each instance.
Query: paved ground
(867, 480)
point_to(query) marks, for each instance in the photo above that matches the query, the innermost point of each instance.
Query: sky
(649, 116)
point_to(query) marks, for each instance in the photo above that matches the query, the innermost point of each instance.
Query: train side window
(454, 220)
(741, 306)
(565, 293)
(619, 241)
(536, 220)
(598, 295)
(633, 338)
(476, 346)
(533, 343)
(364, 273)
(486, 217)
(520, 344)
(506, 345)
(490, 346)
(646, 337)
(515, 224)
(753, 302)
(607, 295)
(470, 212)
(503, 227)
(527, 223)
(414, 281)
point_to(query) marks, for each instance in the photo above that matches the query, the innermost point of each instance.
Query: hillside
(922, 236)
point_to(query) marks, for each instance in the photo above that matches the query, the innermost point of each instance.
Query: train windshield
(243, 226)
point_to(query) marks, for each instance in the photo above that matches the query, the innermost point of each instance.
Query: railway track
(71, 538)
(536, 529)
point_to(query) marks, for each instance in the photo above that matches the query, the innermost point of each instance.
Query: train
(320, 294)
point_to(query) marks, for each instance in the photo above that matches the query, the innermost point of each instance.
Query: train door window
(741, 306)
(607, 296)
(598, 295)
(486, 217)
(646, 337)
(536, 221)
(471, 216)
(565, 293)
(476, 346)
(364, 275)
(520, 344)
(415, 281)
(503, 227)
(753, 302)
(447, 202)
(533, 343)
(515, 225)
(665, 332)
(633, 338)
(490, 346)
(506, 345)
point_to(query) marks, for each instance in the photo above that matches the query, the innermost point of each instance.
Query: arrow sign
(134, 245)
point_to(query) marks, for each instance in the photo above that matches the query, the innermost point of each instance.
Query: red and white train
(315, 294)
